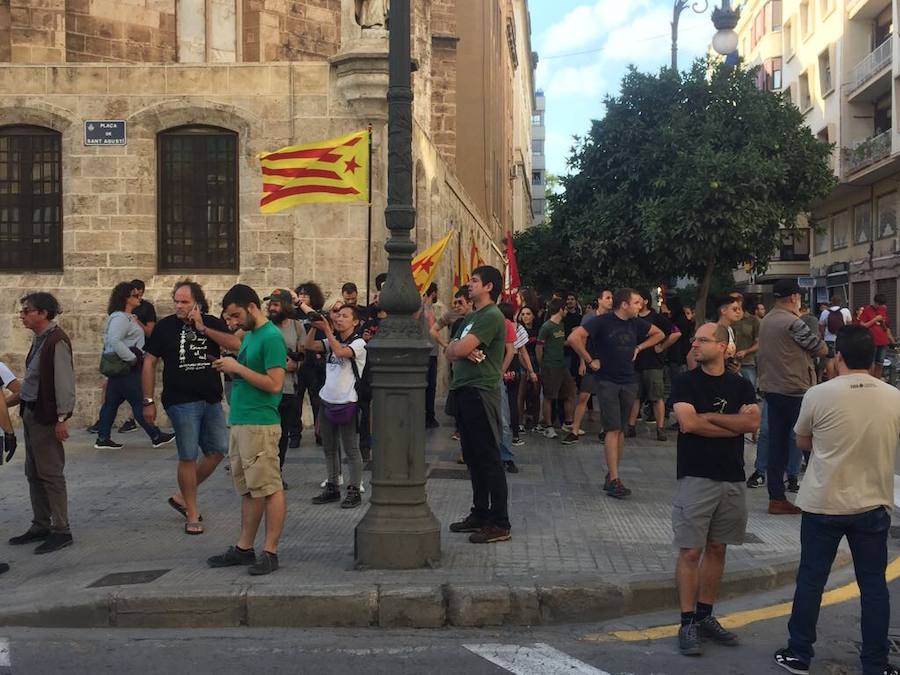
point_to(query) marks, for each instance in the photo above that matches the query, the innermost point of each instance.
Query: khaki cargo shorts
(708, 510)
(253, 454)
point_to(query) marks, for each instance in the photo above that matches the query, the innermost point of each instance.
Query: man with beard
(281, 314)
(192, 391)
(255, 429)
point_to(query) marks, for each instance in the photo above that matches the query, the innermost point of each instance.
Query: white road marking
(539, 659)
(897, 491)
(4, 654)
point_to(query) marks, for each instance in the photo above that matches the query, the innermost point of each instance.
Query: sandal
(181, 509)
(193, 528)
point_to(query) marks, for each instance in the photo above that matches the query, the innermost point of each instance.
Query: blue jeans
(121, 389)
(749, 373)
(819, 538)
(783, 413)
(506, 431)
(762, 447)
(198, 426)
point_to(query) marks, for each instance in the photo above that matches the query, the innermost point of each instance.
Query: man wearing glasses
(47, 398)
(714, 408)
(191, 395)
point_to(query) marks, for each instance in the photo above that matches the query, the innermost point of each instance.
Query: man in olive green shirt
(558, 383)
(477, 357)
(258, 374)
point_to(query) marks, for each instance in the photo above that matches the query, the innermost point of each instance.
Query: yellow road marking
(739, 619)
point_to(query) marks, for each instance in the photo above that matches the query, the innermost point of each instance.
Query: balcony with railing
(873, 64)
(865, 153)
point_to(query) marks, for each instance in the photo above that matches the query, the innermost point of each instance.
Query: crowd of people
(805, 388)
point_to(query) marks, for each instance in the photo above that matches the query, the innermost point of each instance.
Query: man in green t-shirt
(477, 358)
(558, 383)
(258, 374)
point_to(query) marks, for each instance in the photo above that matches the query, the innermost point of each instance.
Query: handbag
(111, 364)
(339, 414)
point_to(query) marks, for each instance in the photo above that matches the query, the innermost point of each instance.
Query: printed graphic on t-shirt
(193, 349)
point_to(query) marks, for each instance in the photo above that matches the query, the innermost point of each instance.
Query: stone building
(204, 86)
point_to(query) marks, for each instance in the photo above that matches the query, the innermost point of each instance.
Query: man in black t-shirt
(714, 409)
(192, 392)
(617, 338)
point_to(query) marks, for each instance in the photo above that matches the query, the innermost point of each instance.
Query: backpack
(835, 320)
(363, 381)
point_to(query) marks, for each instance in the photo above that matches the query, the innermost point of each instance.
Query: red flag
(512, 274)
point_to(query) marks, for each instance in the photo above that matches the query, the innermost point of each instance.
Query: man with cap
(281, 313)
(786, 371)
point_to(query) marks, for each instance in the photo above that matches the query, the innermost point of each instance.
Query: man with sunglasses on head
(187, 343)
(47, 399)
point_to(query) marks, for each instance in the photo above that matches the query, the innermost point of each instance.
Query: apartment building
(838, 61)
(539, 161)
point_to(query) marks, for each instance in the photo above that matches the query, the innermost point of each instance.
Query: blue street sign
(105, 132)
(806, 282)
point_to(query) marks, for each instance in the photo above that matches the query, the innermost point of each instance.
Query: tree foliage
(686, 173)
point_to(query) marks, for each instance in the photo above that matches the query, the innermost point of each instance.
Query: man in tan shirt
(851, 423)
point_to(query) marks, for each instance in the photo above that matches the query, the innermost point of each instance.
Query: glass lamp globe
(725, 42)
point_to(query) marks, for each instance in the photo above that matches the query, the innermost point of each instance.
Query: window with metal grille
(30, 199)
(888, 288)
(861, 297)
(198, 199)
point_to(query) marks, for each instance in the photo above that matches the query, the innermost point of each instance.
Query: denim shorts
(198, 426)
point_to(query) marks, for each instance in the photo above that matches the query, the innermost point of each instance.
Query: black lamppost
(724, 18)
(399, 530)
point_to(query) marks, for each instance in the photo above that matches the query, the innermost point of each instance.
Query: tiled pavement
(564, 527)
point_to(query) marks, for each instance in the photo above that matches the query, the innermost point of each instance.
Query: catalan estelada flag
(336, 170)
(425, 264)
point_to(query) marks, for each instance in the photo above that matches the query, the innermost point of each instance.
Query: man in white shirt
(830, 321)
(851, 424)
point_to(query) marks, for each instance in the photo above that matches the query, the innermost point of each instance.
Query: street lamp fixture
(725, 19)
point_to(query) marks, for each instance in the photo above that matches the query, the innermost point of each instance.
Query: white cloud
(583, 81)
(586, 25)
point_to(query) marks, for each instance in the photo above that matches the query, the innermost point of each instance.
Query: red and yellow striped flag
(336, 170)
(425, 264)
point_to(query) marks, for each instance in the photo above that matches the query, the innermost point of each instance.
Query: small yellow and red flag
(425, 264)
(461, 278)
(336, 170)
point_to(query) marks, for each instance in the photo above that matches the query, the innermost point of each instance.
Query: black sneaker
(569, 438)
(94, 428)
(616, 489)
(601, 437)
(264, 564)
(791, 662)
(4, 567)
(891, 670)
(757, 480)
(107, 444)
(128, 426)
(510, 466)
(164, 438)
(689, 640)
(469, 524)
(490, 534)
(631, 431)
(55, 542)
(28, 537)
(294, 441)
(353, 498)
(792, 485)
(606, 481)
(329, 494)
(661, 434)
(710, 629)
(233, 556)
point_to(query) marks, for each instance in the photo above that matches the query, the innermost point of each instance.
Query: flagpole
(369, 228)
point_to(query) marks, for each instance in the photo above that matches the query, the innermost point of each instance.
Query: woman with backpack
(120, 362)
(345, 361)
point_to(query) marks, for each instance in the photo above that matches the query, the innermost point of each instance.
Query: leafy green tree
(686, 173)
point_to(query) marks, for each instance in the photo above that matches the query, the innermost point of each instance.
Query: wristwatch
(149, 401)
(61, 418)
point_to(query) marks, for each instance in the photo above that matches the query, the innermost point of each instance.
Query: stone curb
(389, 605)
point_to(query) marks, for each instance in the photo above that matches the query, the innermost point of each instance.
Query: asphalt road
(525, 651)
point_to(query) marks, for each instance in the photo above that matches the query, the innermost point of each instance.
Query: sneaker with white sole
(107, 444)
(164, 438)
(785, 658)
(550, 432)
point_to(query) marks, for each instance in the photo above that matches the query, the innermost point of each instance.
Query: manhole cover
(128, 578)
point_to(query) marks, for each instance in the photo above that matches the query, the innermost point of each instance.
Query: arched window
(30, 199)
(198, 200)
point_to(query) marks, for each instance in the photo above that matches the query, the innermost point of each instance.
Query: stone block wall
(443, 68)
(114, 30)
(33, 31)
(110, 193)
(291, 30)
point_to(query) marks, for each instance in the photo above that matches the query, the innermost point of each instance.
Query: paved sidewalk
(576, 554)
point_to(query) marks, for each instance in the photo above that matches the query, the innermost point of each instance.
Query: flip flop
(178, 507)
(193, 528)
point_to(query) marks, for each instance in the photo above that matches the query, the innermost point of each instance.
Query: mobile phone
(315, 316)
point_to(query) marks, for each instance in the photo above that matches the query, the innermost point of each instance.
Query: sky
(584, 48)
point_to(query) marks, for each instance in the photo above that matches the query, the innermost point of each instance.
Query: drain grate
(450, 474)
(128, 578)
